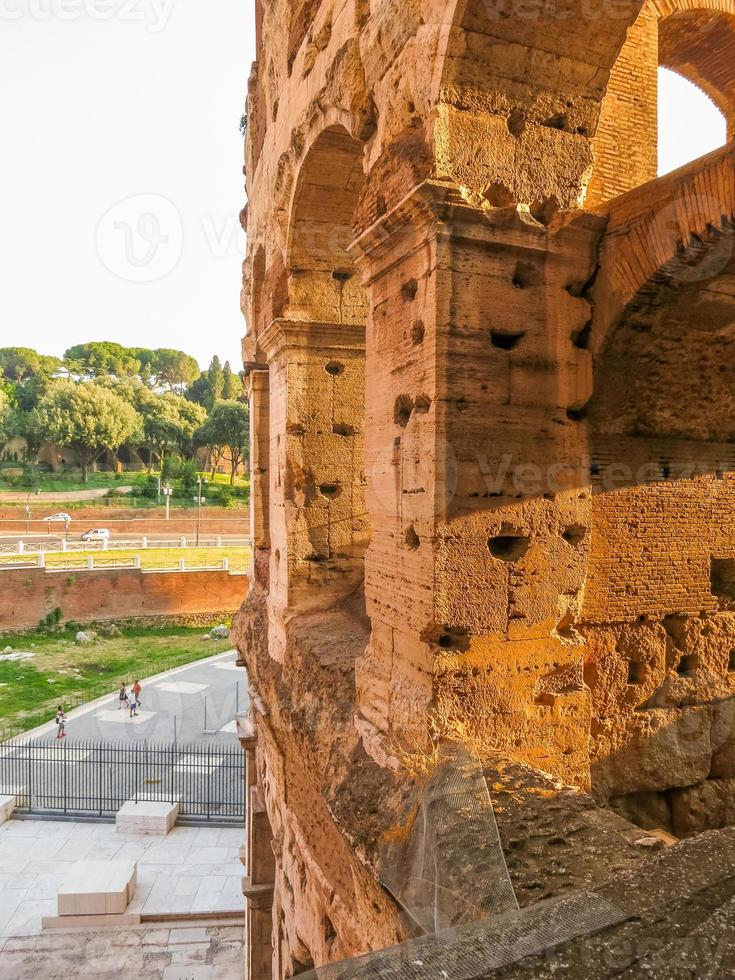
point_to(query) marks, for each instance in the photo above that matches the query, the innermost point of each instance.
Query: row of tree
(104, 396)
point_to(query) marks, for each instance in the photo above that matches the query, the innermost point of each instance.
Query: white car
(64, 518)
(96, 534)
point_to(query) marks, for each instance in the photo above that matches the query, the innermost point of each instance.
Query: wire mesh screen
(448, 866)
(472, 951)
(97, 778)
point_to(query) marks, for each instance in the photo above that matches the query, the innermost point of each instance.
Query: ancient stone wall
(29, 595)
(447, 348)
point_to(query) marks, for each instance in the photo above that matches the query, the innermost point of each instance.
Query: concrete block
(97, 888)
(7, 805)
(148, 817)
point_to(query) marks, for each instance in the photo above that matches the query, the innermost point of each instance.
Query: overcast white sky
(121, 170)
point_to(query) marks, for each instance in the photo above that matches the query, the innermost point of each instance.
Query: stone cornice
(434, 211)
(306, 334)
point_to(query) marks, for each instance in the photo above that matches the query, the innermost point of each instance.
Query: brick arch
(677, 227)
(666, 33)
(526, 133)
(697, 40)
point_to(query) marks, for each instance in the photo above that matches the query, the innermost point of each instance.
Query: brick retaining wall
(29, 595)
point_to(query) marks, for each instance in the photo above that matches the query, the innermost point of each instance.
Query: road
(197, 702)
(135, 540)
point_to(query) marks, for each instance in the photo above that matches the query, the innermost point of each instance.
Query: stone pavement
(150, 952)
(192, 870)
(188, 702)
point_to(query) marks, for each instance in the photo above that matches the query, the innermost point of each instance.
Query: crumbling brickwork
(490, 502)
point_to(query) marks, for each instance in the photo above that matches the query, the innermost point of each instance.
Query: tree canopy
(84, 417)
(226, 433)
(20, 363)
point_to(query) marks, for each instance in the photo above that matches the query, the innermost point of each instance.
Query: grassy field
(150, 558)
(61, 672)
(53, 482)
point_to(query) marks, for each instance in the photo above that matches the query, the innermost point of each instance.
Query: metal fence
(124, 544)
(96, 778)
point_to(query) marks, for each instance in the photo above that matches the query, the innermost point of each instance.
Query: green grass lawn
(150, 558)
(52, 482)
(62, 672)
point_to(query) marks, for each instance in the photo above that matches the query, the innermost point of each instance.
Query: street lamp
(200, 480)
(28, 508)
(167, 491)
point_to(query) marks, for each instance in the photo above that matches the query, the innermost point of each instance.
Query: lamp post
(28, 509)
(200, 481)
(167, 491)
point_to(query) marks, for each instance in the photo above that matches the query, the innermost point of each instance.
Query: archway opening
(689, 123)
(322, 371)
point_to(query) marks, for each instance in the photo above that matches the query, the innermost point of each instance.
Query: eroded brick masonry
(491, 374)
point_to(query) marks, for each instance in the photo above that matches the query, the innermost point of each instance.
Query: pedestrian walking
(60, 723)
(133, 704)
(122, 700)
(136, 691)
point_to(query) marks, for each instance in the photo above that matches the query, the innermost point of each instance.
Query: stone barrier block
(7, 805)
(97, 888)
(149, 817)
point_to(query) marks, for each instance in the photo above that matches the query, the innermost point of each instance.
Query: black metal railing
(95, 778)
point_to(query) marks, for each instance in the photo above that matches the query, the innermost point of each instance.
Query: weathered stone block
(148, 817)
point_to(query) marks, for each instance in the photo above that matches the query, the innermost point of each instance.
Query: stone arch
(316, 355)
(322, 278)
(666, 33)
(528, 133)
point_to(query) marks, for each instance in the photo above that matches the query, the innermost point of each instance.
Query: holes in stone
(577, 414)
(330, 490)
(581, 131)
(330, 933)
(687, 665)
(731, 661)
(409, 290)
(665, 468)
(509, 547)
(335, 368)
(558, 121)
(516, 123)
(341, 277)
(722, 579)
(505, 340)
(402, 410)
(544, 210)
(565, 627)
(315, 558)
(574, 534)
(546, 699)
(412, 539)
(636, 672)
(581, 338)
(526, 275)
(343, 430)
(422, 405)
(418, 332)
(498, 195)
(454, 638)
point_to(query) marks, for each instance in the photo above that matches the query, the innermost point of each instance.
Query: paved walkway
(192, 870)
(194, 703)
(146, 953)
